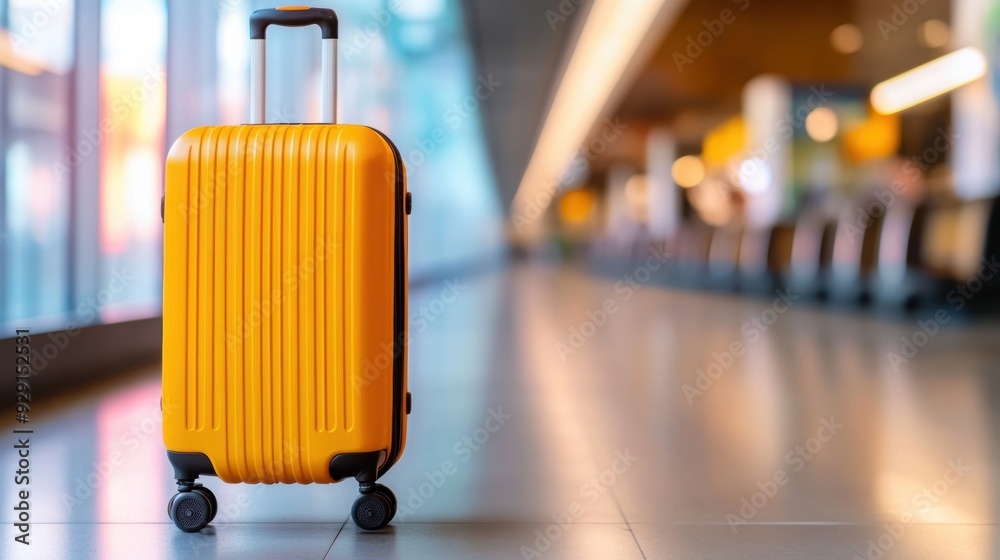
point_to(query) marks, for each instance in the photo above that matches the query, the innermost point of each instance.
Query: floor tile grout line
(538, 522)
(628, 524)
(398, 523)
(327, 555)
(593, 453)
(635, 539)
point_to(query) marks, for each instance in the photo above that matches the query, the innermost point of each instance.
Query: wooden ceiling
(696, 87)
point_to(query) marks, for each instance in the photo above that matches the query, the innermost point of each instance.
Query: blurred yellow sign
(725, 142)
(875, 138)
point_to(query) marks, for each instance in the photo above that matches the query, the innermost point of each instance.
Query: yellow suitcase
(284, 300)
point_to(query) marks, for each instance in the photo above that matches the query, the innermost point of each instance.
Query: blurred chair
(723, 258)
(649, 253)
(854, 254)
(991, 247)
(693, 245)
(764, 258)
(812, 244)
(900, 280)
(765, 276)
(960, 242)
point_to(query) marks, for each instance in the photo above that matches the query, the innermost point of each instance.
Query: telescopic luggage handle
(293, 16)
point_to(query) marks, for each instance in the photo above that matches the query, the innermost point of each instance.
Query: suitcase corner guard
(189, 466)
(362, 466)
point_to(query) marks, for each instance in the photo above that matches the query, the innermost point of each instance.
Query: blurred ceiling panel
(521, 43)
(716, 46)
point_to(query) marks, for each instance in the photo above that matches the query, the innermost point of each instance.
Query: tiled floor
(807, 442)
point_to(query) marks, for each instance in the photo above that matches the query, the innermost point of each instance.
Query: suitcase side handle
(293, 16)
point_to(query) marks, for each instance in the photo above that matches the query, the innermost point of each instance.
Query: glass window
(83, 135)
(36, 58)
(131, 139)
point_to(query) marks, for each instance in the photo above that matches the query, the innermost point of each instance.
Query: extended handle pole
(293, 16)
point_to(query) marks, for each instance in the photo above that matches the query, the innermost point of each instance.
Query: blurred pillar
(767, 102)
(621, 228)
(664, 200)
(975, 116)
(86, 193)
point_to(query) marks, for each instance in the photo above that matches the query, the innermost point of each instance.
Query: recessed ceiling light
(934, 33)
(847, 39)
(688, 171)
(821, 124)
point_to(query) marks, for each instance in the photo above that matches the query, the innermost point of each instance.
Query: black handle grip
(293, 16)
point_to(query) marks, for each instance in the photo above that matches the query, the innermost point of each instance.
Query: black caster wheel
(213, 502)
(393, 504)
(371, 511)
(170, 507)
(190, 511)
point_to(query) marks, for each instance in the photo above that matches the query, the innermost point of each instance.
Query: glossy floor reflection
(801, 441)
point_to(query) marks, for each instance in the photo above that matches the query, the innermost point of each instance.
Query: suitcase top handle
(293, 16)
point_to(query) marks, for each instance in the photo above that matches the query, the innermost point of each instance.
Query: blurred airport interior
(785, 145)
(781, 145)
(715, 154)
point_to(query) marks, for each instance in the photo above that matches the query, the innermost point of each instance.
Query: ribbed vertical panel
(247, 164)
(319, 388)
(226, 289)
(278, 253)
(349, 209)
(292, 248)
(342, 192)
(191, 300)
(208, 273)
(270, 332)
(336, 293)
(191, 291)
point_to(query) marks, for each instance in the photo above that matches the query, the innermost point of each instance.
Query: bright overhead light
(608, 44)
(821, 124)
(929, 80)
(754, 175)
(688, 171)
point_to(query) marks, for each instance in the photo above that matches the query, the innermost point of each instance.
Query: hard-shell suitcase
(284, 300)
